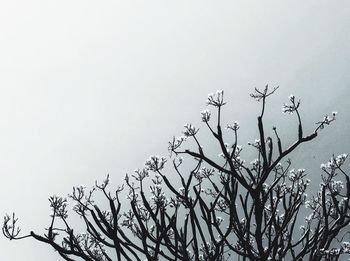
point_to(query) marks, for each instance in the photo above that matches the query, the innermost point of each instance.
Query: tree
(224, 208)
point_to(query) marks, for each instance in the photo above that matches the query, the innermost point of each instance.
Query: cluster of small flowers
(131, 195)
(333, 212)
(190, 130)
(78, 193)
(237, 246)
(291, 98)
(335, 186)
(98, 253)
(91, 245)
(140, 174)
(279, 168)
(221, 205)
(78, 207)
(158, 196)
(104, 183)
(188, 253)
(310, 217)
(198, 176)
(265, 187)
(129, 219)
(255, 144)
(205, 114)
(327, 120)
(259, 95)
(56, 202)
(297, 190)
(295, 175)
(324, 166)
(176, 143)
(182, 191)
(107, 215)
(83, 238)
(238, 151)
(219, 220)
(151, 229)
(280, 218)
(210, 192)
(256, 165)
(314, 202)
(290, 108)
(343, 203)
(346, 247)
(235, 157)
(155, 163)
(207, 251)
(143, 212)
(151, 251)
(233, 127)
(241, 245)
(238, 163)
(281, 188)
(207, 172)
(334, 252)
(59, 206)
(334, 162)
(217, 99)
(340, 159)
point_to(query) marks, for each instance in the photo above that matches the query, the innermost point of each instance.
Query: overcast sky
(95, 87)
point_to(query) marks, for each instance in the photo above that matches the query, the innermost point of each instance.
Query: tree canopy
(213, 208)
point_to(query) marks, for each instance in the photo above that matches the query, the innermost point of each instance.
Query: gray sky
(95, 87)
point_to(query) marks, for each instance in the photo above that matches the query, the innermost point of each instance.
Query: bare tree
(224, 207)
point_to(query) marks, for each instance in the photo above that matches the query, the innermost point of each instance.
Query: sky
(95, 87)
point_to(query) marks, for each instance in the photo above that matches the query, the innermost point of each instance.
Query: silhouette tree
(224, 207)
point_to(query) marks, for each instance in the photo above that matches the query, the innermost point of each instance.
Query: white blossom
(176, 143)
(155, 163)
(293, 106)
(205, 114)
(217, 99)
(190, 130)
(346, 247)
(291, 97)
(233, 127)
(219, 220)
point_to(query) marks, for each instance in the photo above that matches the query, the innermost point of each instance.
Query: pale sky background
(95, 87)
